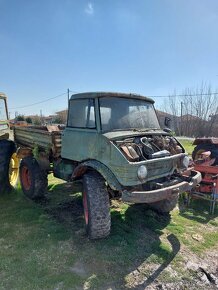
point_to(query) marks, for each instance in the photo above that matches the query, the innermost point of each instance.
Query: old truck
(9, 162)
(114, 144)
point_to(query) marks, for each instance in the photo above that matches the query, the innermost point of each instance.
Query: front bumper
(162, 193)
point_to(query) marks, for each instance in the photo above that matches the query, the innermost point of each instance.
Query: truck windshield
(3, 115)
(123, 114)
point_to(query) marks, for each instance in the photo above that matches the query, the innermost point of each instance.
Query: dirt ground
(204, 272)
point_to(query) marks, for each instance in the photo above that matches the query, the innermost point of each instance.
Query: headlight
(185, 161)
(142, 172)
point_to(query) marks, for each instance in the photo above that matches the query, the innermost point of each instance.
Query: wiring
(166, 96)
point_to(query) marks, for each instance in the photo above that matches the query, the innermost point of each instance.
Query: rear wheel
(9, 166)
(166, 205)
(96, 206)
(33, 179)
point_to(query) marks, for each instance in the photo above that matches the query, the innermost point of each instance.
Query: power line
(166, 96)
(40, 102)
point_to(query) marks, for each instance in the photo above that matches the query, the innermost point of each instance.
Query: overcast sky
(150, 47)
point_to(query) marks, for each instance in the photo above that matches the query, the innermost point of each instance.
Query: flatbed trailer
(39, 138)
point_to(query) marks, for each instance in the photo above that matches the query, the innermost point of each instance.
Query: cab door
(80, 137)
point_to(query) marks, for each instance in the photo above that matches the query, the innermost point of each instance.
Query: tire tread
(7, 148)
(99, 206)
(39, 176)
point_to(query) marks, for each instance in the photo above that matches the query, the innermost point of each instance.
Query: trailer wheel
(96, 206)
(33, 179)
(200, 148)
(165, 205)
(9, 166)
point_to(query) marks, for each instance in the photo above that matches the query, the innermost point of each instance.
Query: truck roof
(110, 94)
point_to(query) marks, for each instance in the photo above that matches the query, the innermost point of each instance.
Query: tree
(193, 110)
(29, 120)
(58, 120)
(37, 120)
(20, 118)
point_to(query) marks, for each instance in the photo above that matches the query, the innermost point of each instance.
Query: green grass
(187, 145)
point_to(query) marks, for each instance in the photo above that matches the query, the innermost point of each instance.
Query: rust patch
(79, 171)
(24, 152)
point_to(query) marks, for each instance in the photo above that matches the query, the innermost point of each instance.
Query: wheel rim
(198, 153)
(85, 207)
(26, 178)
(14, 169)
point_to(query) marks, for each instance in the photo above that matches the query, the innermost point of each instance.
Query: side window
(82, 114)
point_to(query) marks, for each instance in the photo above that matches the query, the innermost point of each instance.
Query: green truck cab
(114, 144)
(9, 163)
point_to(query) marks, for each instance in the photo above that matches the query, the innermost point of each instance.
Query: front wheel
(33, 179)
(165, 205)
(96, 206)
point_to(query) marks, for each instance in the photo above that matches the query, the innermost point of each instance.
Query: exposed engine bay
(149, 147)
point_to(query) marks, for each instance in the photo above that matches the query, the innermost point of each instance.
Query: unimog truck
(9, 163)
(113, 143)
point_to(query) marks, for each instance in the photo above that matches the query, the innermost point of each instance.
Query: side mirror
(167, 122)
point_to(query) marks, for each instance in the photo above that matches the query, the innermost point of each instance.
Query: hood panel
(114, 135)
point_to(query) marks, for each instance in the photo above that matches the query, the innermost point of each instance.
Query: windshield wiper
(134, 129)
(123, 129)
(145, 130)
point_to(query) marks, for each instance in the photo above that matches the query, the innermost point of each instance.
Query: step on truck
(9, 162)
(114, 144)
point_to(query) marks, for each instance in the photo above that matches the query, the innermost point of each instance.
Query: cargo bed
(45, 138)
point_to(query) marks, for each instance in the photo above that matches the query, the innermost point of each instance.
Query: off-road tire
(165, 205)
(7, 148)
(96, 206)
(33, 179)
(213, 148)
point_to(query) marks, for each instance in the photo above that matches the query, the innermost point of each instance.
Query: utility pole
(68, 94)
(181, 131)
(41, 116)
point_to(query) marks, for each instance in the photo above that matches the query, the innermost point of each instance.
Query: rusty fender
(162, 193)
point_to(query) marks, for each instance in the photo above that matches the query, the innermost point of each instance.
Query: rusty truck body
(114, 144)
